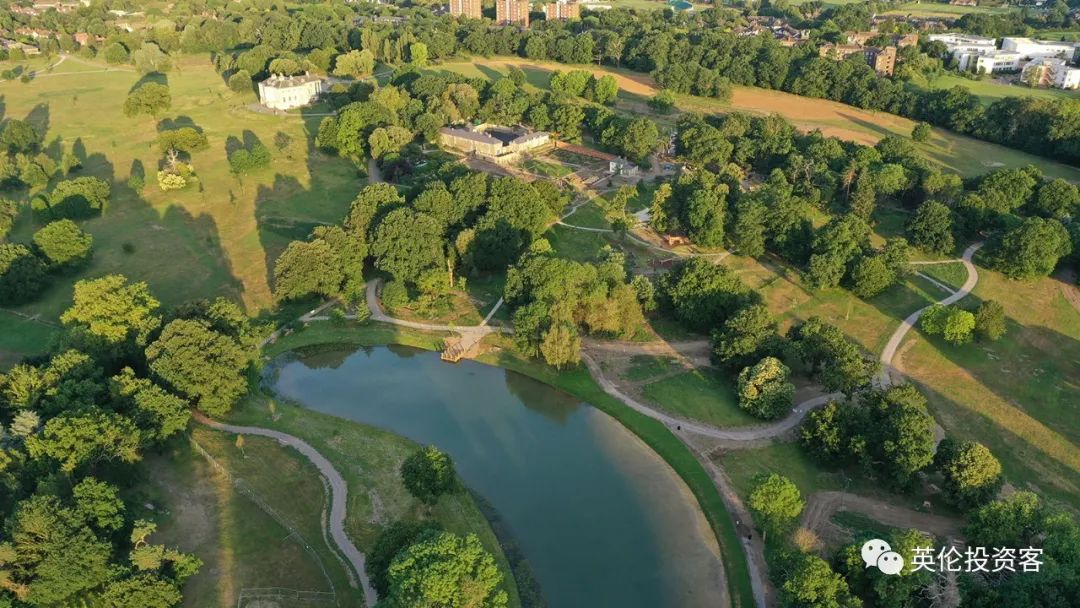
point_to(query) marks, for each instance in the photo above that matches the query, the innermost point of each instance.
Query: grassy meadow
(217, 237)
(990, 91)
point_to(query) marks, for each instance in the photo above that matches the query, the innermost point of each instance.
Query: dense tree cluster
(75, 421)
(889, 433)
(555, 300)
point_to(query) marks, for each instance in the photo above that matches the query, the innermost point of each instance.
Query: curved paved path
(338, 493)
(752, 433)
(885, 377)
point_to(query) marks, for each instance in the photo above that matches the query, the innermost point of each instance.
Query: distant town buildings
(493, 142)
(561, 10)
(1051, 72)
(982, 55)
(512, 12)
(883, 60)
(466, 8)
(897, 40)
(287, 92)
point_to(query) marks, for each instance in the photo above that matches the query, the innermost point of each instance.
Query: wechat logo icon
(878, 553)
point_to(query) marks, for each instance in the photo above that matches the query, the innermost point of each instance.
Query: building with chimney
(466, 8)
(562, 9)
(512, 12)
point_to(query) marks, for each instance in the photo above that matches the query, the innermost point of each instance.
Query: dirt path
(821, 506)
(889, 374)
(338, 493)
(1067, 281)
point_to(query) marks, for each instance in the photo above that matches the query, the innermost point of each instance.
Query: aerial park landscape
(511, 304)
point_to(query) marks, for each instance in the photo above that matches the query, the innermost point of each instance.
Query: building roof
(482, 138)
(1032, 41)
(278, 81)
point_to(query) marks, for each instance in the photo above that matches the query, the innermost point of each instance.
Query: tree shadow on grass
(171, 124)
(39, 118)
(179, 255)
(154, 77)
(1016, 395)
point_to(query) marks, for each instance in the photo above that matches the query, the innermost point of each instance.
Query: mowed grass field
(990, 91)
(965, 155)
(218, 236)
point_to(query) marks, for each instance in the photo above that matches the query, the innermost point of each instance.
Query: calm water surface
(601, 519)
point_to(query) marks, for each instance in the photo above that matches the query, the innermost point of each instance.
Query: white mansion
(287, 92)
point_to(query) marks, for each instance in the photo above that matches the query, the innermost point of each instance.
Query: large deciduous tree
(1032, 249)
(63, 244)
(428, 473)
(972, 476)
(444, 569)
(764, 389)
(151, 99)
(204, 365)
(22, 274)
(112, 316)
(776, 502)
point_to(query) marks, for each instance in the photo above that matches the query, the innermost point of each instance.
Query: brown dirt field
(804, 112)
(821, 506)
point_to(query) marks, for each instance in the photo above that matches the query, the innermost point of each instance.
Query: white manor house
(280, 92)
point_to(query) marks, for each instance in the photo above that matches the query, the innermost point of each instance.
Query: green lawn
(789, 460)
(990, 91)
(217, 237)
(588, 215)
(20, 337)
(938, 9)
(546, 169)
(700, 395)
(644, 367)
(952, 275)
(198, 510)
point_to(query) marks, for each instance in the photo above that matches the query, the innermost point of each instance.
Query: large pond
(600, 518)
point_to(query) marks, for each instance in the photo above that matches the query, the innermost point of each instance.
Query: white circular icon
(890, 562)
(872, 550)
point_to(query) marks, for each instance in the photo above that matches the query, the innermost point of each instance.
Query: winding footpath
(751, 545)
(888, 374)
(339, 491)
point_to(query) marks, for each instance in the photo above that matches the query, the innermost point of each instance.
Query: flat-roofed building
(964, 43)
(512, 12)
(563, 9)
(287, 92)
(989, 62)
(1033, 49)
(466, 8)
(493, 142)
(1051, 72)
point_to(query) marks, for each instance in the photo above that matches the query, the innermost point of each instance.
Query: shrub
(170, 181)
